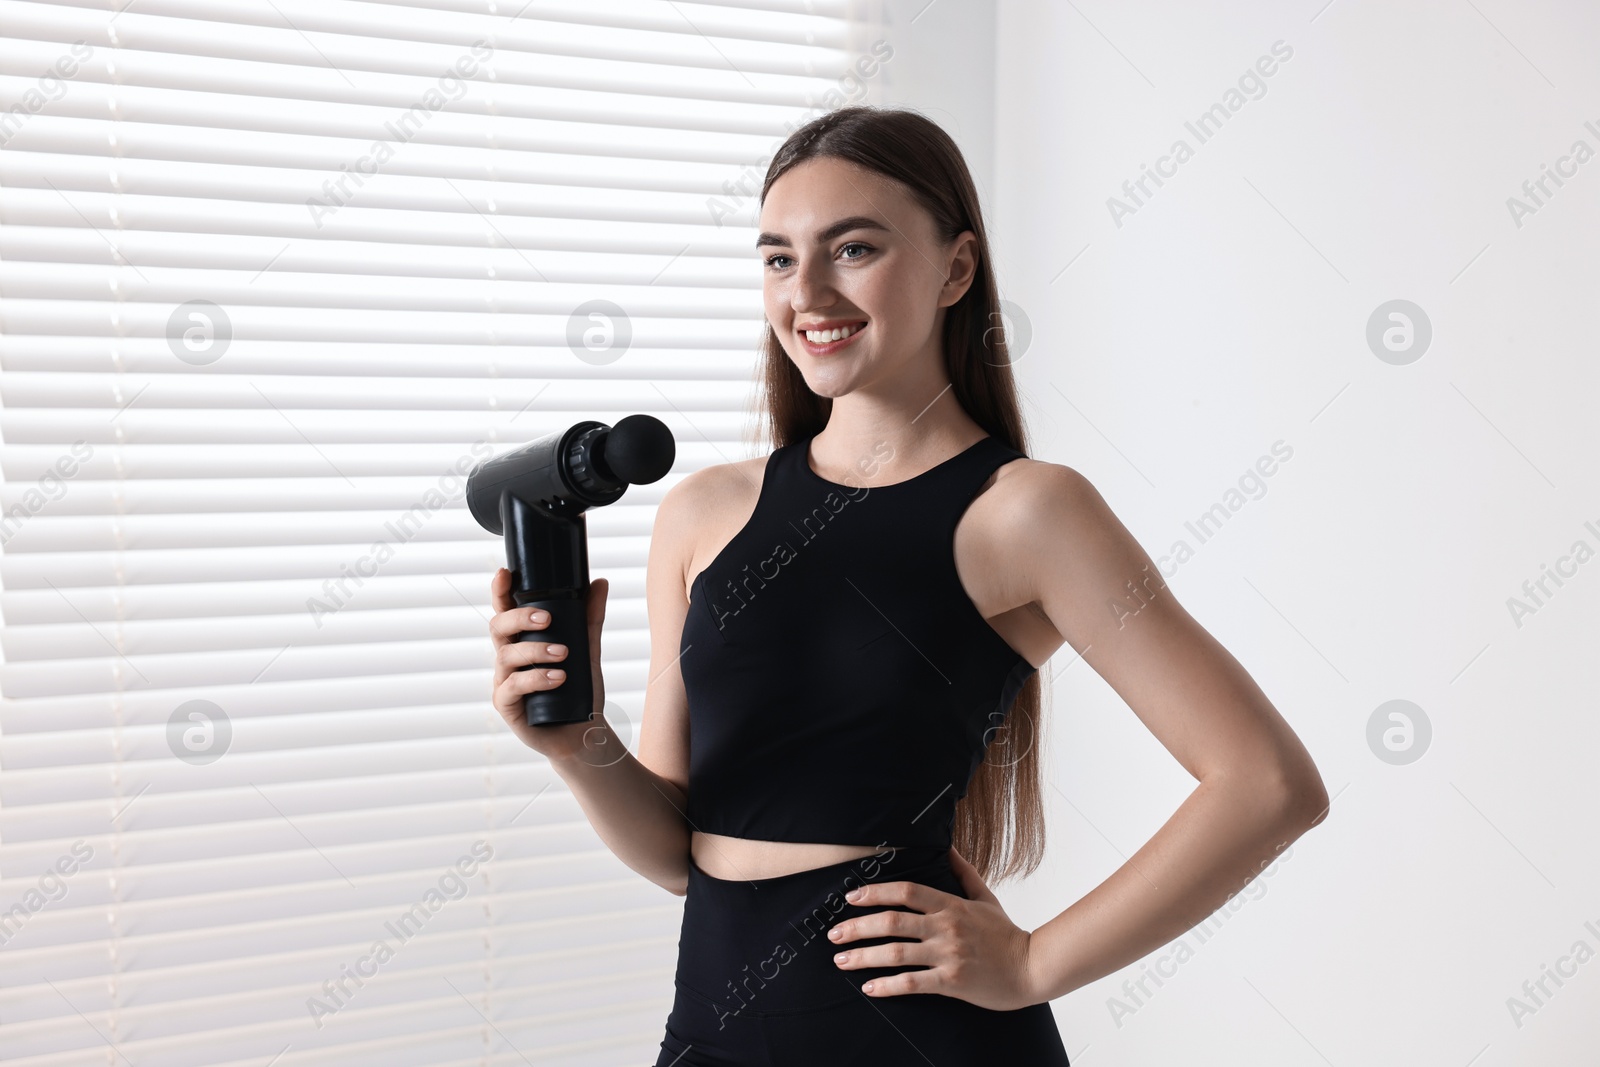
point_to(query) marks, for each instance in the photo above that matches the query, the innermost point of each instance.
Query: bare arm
(635, 803)
(1259, 789)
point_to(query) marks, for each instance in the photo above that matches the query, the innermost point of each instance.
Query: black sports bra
(842, 685)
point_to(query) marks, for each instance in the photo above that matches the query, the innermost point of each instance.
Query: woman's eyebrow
(854, 222)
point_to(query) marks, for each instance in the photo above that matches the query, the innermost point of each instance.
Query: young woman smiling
(846, 636)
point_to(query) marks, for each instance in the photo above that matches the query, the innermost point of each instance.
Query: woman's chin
(830, 385)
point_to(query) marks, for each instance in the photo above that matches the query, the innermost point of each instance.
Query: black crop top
(842, 685)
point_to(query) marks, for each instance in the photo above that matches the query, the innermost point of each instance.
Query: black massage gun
(536, 496)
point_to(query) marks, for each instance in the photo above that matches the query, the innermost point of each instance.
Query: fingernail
(558, 674)
(556, 650)
(539, 616)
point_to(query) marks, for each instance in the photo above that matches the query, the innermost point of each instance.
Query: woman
(845, 643)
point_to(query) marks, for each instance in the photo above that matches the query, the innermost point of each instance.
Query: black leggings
(757, 985)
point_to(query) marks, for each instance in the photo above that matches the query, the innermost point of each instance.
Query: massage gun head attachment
(589, 464)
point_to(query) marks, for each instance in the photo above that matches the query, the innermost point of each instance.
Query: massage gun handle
(573, 699)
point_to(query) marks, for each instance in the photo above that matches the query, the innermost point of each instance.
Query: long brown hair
(1006, 792)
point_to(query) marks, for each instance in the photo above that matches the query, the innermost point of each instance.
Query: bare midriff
(735, 858)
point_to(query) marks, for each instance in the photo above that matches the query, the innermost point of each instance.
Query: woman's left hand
(973, 950)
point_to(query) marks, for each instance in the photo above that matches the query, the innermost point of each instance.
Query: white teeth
(822, 337)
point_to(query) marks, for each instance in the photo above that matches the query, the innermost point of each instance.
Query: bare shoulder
(1033, 496)
(696, 508)
(1070, 554)
(1055, 529)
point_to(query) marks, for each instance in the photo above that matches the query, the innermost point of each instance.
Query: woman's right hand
(511, 684)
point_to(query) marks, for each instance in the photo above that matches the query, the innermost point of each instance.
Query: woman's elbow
(1302, 798)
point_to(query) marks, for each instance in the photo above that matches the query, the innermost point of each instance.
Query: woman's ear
(961, 266)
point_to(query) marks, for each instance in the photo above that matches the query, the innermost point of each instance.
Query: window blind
(273, 275)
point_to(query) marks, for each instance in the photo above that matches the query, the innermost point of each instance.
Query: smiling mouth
(824, 342)
(822, 337)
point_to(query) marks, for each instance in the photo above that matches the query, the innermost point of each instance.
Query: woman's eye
(772, 260)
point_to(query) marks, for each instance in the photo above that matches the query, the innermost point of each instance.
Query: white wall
(943, 65)
(1228, 312)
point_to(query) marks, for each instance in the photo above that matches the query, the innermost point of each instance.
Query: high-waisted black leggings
(757, 985)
